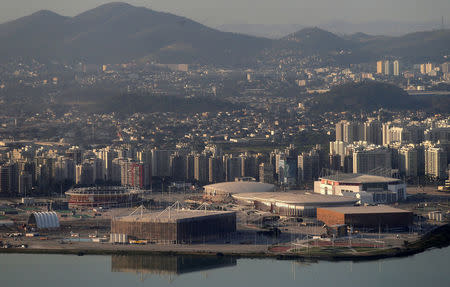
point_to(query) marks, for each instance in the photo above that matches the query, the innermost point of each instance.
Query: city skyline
(155, 129)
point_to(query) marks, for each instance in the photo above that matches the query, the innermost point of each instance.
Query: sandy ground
(247, 240)
(429, 190)
(390, 240)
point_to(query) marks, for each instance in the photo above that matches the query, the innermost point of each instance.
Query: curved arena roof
(360, 178)
(234, 187)
(291, 198)
(44, 219)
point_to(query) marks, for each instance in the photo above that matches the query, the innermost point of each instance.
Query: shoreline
(388, 253)
(437, 238)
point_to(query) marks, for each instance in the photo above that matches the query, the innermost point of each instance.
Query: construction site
(251, 222)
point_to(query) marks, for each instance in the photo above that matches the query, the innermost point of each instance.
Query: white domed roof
(44, 219)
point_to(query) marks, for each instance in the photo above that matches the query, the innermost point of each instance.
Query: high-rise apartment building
(426, 68)
(216, 171)
(446, 68)
(380, 67)
(372, 160)
(435, 162)
(64, 169)
(266, 172)
(201, 168)
(25, 183)
(437, 134)
(373, 132)
(408, 161)
(177, 164)
(9, 178)
(189, 165)
(287, 174)
(387, 68)
(396, 68)
(249, 166)
(233, 167)
(161, 162)
(84, 173)
(139, 175)
(308, 166)
(340, 131)
(402, 133)
(349, 132)
(106, 155)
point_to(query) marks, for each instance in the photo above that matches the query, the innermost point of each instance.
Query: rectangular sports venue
(176, 226)
(371, 217)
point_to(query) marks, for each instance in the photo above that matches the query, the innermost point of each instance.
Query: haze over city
(346, 16)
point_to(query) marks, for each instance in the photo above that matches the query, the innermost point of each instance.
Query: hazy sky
(217, 12)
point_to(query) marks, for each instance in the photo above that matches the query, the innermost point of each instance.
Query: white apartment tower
(396, 66)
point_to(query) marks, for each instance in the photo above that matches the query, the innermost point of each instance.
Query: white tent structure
(44, 219)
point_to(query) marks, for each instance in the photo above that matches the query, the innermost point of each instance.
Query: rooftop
(359, 178)
(366, 209)
(172, 216)
(102, 190)
(233, 187)
(295, 198)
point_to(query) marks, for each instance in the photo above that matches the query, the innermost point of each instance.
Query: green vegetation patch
(63, 211)
(439, 237)
(370, 96)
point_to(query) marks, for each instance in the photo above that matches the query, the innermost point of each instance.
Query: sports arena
(108, 196)
(174, 225)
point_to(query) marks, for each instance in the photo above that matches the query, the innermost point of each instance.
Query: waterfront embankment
(437, 238)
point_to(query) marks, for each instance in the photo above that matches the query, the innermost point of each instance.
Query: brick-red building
(366, 216)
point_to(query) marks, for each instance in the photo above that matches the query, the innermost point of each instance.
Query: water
(426, 269)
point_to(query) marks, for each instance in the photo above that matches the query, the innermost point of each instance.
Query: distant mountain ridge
(119, 32)
(417, 46)
(261, 30)
(387, 28)
(360, 47)
(313, 39)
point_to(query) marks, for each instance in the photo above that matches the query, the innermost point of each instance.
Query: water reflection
(168, 265)
(186, 271)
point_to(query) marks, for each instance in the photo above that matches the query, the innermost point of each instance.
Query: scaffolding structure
(175, 224)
